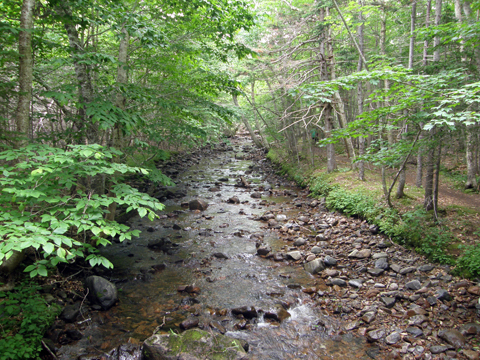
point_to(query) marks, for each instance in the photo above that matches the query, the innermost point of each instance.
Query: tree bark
(471, 182)
(427, 24)
(428, 199)
(331, 162)
(247, 124)
(361, 139)
(436, 39)
(25, 72)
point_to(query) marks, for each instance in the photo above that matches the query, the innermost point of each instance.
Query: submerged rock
(198, 204)
(193, 344)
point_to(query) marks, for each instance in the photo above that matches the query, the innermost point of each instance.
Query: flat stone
(389, 301)
(413, 285)
(381, 263)
(338, 282)
(471, 354)
(353, 253)
(426, 268)
(331, 272)
(437, 349)
(299, 242)
(294, 255)
(351, 325)
(393, 338)
(375, 271)
(407, 270)
(315, 266)
(474, 290)
(414, 331)
(379, 256)
(355, 283)
(453, 337)
(363, 254)
(395, 267)
(417, 320)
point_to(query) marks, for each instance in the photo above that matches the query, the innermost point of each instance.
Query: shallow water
(151, 301)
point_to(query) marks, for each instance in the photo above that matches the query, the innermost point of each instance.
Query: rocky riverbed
(244, 253)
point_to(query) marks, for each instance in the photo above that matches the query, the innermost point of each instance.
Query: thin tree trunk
(470, 158)
(257, 125)
(436, 182)
(331, 162)
(427, 24)
(436, 39)
(361, 139)
(25, 72)
(428, 200)
(247, 124)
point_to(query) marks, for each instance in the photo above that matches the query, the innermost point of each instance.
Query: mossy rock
(193, 344)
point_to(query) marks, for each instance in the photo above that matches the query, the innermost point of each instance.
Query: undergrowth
(24, 317)
(416, 229)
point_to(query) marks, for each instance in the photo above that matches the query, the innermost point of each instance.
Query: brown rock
(475, 290)
(453, 337)
(189, 323)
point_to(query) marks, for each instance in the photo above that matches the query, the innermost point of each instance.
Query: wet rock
(278, 313)
(413, 285)
(218, 327)
(393, 338)
(330, 261)
(198, 204)
(176, 227)
(315, 266)
(453, 337)
(256, 195)
(414, 331)
(304, 219)
(192, 344)
(102, 291)
(272, 223)
(278, 256)
(281, 217)
(264, 250)
(233, 200)
(123, 352)
(248, 312)
(375, 335)
(189, 323)
(299, 242)
(220, 255)
(294, 255)
(70, 312)
(389, 302)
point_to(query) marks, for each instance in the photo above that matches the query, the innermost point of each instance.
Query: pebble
(355, 283)
(407, 270)
(414, 331)
(328, 260)
(389, 301)
(393, 338)
(413, 285)
(338, 282)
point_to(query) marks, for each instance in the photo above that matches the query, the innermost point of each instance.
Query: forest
(370, 93)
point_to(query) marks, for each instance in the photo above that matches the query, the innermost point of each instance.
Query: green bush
(24, 318)
(469, 263)
(49, 203)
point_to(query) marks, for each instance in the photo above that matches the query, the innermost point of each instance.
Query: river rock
(368, 317)
(198, 204)
(70, 312)
(393, 338)
(189, 323)
(413, 285)
(256, 195)
(437, 349)
(278, 313)
(443, 294)
(233, 200)
(414, 331)
(299, 241)
(389, 301)
(363, 254)
(375, 335)
(316, 250)
(102, 291)
(272, 223)
(192, 344)
(328, 260)
(355, 283)
(426, 268)
(453, 337)
(375, 271)
(381, 263)
(264, 250)
(407, 270)
(315, 266)
(294, 255)
(281, 217)
(338, 282)
(248, 312)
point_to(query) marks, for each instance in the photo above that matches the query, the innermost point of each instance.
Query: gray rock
(281, 217)
(315, 266)
(376, 335)
(338, 281)
(417, 320)
(393, 338)
(198, 204)
(453, 337)
(70, 312)
(192, 345)
(355, 283)
(316, 250)
(299, 241)
(264, 250)
(353, 253)
(102, 291)
(330, 261)
(395, 267)
(432, 300)
(414, 331)
(418, 351)
(379, 256)
(375, 271)
(443, 294)
(233, 200)
(277, 313)
(426, 268)
(363, 254)
(437, 349)
(381, 263)
(294, 255)
(413, 285)
(368, 317)
(407, 270)
(389, 301)
(220, 255)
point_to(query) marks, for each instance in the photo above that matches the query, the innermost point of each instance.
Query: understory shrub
(24, 318)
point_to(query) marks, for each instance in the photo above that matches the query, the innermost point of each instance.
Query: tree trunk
(247, 124)
(428, 200)
(427, 24)
(361, 139)
(436, 39)
(470, 158)
(331, 162)
(25, 72)
(257, 125)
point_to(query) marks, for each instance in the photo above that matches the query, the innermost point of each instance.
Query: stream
(199, 265)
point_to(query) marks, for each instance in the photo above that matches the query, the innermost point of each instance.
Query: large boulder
(198, 204)
(102, 291)
(193, 344)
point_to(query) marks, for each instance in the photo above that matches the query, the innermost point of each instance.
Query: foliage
(49, 203)
(24, 318)
(469, 262)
